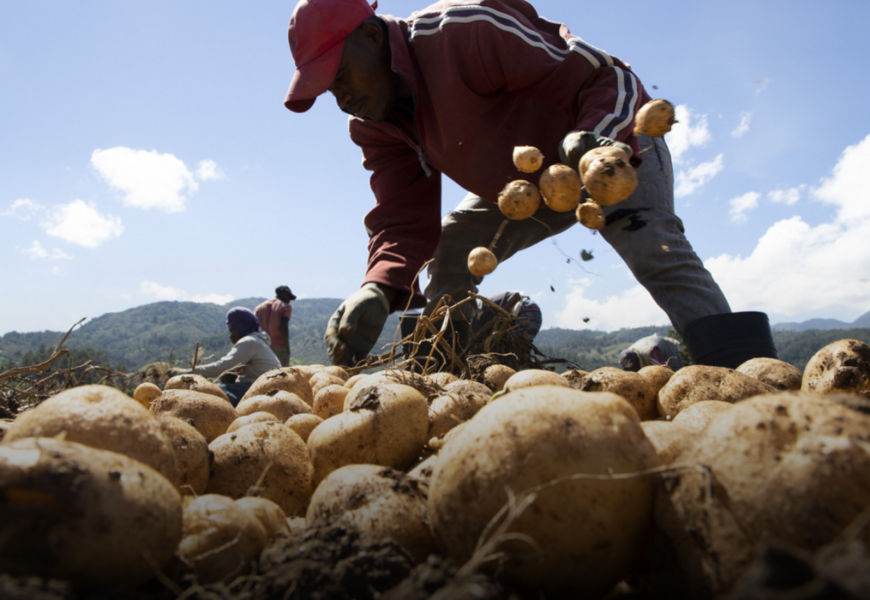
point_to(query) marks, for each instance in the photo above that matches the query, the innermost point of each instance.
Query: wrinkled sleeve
(237, 356)
(405, 225)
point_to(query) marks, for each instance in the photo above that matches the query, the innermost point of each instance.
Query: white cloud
(36, 250)
(24, 209)
(634, 308)
(208, 169)
(80, 223)
(684, 134)
(147, 179)
(742, 205)
(789, 196)
(798, 268)
(59, 254)
(690, 179)
(743, 127)
(164, 292)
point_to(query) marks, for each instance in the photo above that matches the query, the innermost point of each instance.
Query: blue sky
(145, 155)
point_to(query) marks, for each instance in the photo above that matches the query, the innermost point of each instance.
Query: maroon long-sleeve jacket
(486, 75)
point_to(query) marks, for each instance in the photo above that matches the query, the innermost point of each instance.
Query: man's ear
(371, 31)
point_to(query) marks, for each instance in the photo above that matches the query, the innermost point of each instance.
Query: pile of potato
(565, 485)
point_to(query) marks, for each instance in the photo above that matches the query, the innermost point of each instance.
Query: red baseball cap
(316, 34)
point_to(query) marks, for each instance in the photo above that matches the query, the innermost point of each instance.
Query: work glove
(577, 143)
(173, 372)
(354, 328)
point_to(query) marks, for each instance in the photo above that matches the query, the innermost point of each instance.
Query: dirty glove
(354, 328)
(176, 371)
(577, 143)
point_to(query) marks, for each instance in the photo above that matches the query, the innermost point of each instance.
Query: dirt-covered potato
(495, 376)
(657, 375)
(591, 215)
(668, 438)
(791, 466)
(196, 383)
(269, 514)
(841, 366)
(461, 401)
(353, 379)
(607, 175)
(287, 379)
(519, 199)
(527, 159)
(88, 516)
(320, 380)
(377, 500)
(145, 393)
(481, 261)
(575, 377)
(308, 371)
(337, 371)
(533, 377)
(278, 402)
(422, 473)
(385, 425)
(699, 382)
(221, 539)
(249, 419)
(191, 453)
(441, 378)
(4, 427)
(263, 459)
(655, 118)
(772, 371)
(585, 532)
(560, 187)
(409, 378)
(101, 417)
(329, 401)
(632, 386)
(698, 415)
(303, 424)
(209, 414)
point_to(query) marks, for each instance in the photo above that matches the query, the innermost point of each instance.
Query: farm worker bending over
(523, 308)
(250, 351)
(651, 350)
(453, 89)
(274, 316)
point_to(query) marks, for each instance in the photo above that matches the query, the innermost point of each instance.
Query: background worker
(424, 100)
(250, 353)
(274, 316)
(651, 350)
(522, 308)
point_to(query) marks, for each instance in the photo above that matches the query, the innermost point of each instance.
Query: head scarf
(243, 320)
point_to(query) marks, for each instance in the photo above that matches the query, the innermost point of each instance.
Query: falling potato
(654, 118)
(591, 215)
(560, 187)
(607, 175)
(528, 159)
(519, 200)
(481, 261)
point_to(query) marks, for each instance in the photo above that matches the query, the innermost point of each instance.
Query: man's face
(364, 85)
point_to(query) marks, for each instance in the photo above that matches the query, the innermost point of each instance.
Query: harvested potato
(698, 415)
(841, 366)
(4, 427)
(329, 401)
(699, 382)
(560, 187)
(481, 261)
(320, 380)
(461, 401)
(791, 466)
(209, 414)
(533, 377)
(221, 539)
(422, 473)
(337, 371)
(287, 379)
(591, 215)
(772, 371)
(527, 159)
(655, 118)
(196, 383)
(353, 379)
(263, 459)
(84, 515)
(278, 402)
(191, 453)
(145, 393)
(269, 514)
(586, 532)
(607, 175)
(308, 371)
(101, 417)
(385, 425)
(303, 424)
(575, 377)
(377, 500)
(668, 438)
(632, 386)
(251, 418)
(519, 200)
(658, 376)
(495, 376)
(441, 379)
(415, 380)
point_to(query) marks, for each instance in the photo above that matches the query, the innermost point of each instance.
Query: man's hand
(173, 372)
(354, 328)
(577, 143)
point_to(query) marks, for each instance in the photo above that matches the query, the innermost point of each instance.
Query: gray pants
(643, 229)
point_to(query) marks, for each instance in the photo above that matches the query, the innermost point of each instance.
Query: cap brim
(312, 79)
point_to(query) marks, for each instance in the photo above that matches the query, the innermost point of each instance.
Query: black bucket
(729, 340)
